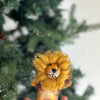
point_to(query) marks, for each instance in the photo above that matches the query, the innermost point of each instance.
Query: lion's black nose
(54, 70)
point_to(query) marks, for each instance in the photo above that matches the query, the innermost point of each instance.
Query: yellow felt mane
(44, 63)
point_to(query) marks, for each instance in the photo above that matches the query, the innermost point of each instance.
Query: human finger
(27, 99)
(64, 98)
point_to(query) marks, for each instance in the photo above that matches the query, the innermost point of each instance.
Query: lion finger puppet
(52, 74)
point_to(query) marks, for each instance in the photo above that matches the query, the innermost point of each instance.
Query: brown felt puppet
(52, 75)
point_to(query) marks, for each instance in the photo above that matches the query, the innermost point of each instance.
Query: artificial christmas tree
(43, 20)
(2, 36)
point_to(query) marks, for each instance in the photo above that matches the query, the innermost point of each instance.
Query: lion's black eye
(49, 64)
(58, 66)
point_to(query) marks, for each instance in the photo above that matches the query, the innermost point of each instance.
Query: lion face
(53, 70)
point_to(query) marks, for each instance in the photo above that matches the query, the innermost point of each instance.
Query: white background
(85, 53)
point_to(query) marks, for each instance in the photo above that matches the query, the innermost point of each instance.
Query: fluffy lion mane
(43, 63)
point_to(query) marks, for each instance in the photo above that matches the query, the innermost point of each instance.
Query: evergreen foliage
(44, 34)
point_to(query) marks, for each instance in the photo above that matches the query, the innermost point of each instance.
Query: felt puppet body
(52, 74)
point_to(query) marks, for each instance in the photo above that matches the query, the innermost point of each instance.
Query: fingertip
(27, 99)
(64, 98)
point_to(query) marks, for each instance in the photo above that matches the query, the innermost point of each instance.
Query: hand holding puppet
(52, 74)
